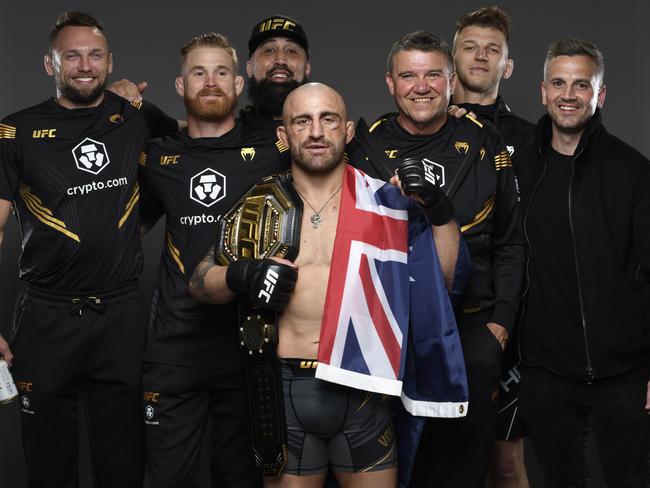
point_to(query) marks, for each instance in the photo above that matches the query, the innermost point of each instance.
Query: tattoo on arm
(197, 281)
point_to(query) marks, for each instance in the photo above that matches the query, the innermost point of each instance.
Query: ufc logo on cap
(273, 24)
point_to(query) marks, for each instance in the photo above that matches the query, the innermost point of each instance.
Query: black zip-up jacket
(486, 205)
(609, 206)
(514, 130)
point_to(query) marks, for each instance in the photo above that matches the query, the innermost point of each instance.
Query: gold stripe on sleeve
(175, 253)
(130, 205)
(482, 215)
(281, 147)
(7, 131)
(42, 213)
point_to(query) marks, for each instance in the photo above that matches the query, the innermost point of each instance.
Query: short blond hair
(211, 39)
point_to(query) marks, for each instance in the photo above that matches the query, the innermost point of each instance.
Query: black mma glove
(266, 282)
(417, 178)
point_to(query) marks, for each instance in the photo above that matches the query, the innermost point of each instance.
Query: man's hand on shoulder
(129, 90)
(267, 282)
(459, 112)
(499, 332)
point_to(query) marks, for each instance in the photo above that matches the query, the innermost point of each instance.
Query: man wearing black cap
(278, 62)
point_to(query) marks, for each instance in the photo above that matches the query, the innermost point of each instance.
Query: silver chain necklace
(316, 217)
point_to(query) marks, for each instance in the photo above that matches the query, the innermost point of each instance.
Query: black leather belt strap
(264, 223)
(258, 333)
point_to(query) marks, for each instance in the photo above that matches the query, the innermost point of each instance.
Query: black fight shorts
(509, 423)
(328, 424)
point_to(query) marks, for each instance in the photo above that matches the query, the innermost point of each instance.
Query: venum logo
(434, 171)
(149, 411)
(91, 156)
(247, 153)
(461, 146)
(208, 187)
(25, 401)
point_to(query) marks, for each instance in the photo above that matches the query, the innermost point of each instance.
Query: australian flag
(388, 323)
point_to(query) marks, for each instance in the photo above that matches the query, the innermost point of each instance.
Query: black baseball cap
(277, 26)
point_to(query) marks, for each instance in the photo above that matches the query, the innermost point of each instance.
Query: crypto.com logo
(208, 187)
(91, 156)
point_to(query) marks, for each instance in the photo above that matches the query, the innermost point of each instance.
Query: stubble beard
(81, 96)
(317, 165)
(476, 87)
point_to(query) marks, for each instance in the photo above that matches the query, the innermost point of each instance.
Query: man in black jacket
(586, 327)
(481, 56)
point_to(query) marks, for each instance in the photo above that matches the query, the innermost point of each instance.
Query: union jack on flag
(386, 291)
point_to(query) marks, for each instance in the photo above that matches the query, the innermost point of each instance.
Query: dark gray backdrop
(349, 41)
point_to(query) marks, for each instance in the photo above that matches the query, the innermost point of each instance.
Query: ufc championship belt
(264, 223)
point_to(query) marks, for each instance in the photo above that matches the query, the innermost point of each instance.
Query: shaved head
(315, 128)
(316, 92)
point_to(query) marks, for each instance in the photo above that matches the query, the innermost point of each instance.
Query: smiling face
(278, 60)
(421, 84)
(209, 83)
(276, 68)
(571, 91)
(80, 63)
(481, 58)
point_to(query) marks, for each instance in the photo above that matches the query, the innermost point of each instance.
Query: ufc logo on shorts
(270, 280)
